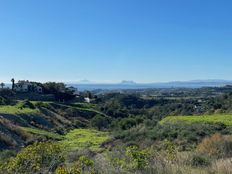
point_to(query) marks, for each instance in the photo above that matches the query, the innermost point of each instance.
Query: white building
(26, 86)
(87, 100)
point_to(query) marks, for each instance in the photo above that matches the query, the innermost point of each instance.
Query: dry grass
(211, 145)
(222, 166)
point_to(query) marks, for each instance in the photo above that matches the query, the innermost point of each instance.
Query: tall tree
(2, 85)
(13, 83)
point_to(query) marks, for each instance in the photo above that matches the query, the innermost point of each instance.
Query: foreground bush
(83, 165)
(216, 145)
(200, 161)
(36, 158)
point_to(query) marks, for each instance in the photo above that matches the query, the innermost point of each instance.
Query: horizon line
(85, 82)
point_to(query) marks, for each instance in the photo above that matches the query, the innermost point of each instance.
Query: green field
(7, 109)
(84, 138)
(225, 119)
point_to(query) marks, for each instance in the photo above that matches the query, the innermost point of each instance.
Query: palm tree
(2, 85)
(13, 83)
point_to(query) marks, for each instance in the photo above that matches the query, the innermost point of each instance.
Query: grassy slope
(45, 121)
(42, 132)
(8, 109)
(84, 138)
(225, 119)
(84, 107)
(75, 139)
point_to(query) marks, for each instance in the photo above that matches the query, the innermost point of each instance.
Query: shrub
(189, 135)
(80, 124)
(26, 104)
(36, 158)
(2, 101)
(61, 170)
(99, 122)
(200, 161)
(169, 149)
(216, 145)
(84, 164)
(127, 123)
(6, 93)
(211, 145)
(138, 158)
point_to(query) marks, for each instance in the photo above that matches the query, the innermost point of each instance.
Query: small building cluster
(26, 86)
(38, 91)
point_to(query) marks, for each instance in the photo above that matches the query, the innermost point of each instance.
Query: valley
(176, 131)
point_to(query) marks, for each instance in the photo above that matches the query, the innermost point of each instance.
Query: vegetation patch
(84, 138)
(224, 119)
(14, 110)
(42, 132)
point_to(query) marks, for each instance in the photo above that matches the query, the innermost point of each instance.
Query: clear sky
(114, 40)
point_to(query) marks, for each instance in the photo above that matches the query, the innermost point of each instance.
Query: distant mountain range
(125, 84)
(128, 82)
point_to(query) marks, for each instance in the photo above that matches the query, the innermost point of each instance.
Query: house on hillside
(26, 86)
(87, 100)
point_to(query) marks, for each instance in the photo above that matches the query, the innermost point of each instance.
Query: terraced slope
(26, 121)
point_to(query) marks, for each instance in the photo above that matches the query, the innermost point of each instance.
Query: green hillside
(28, 121)
(220, 118)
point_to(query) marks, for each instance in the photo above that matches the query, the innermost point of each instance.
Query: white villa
(26, 86)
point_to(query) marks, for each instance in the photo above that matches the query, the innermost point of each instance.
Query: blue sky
(114, 40)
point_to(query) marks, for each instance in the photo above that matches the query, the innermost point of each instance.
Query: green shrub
(2, 101)
(138, 158)
(127, 123)
(99, 122)
(188, 135)
(83, 165)
(36, 158)
(26, 104)
(80, 124)
(61, 170)
(200, 161)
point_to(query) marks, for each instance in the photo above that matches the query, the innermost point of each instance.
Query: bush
(36, 158)
(138, 158)
(216, 145)
(83, 165)
(99, 122)
(127, 123)
(187, 135)
(2, 101)
(61, 170)
(211, 145)
(199, 161)
(26, 104)
(6, 93)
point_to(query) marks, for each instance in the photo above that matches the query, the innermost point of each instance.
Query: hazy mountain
(128, 82)
(85, 81)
